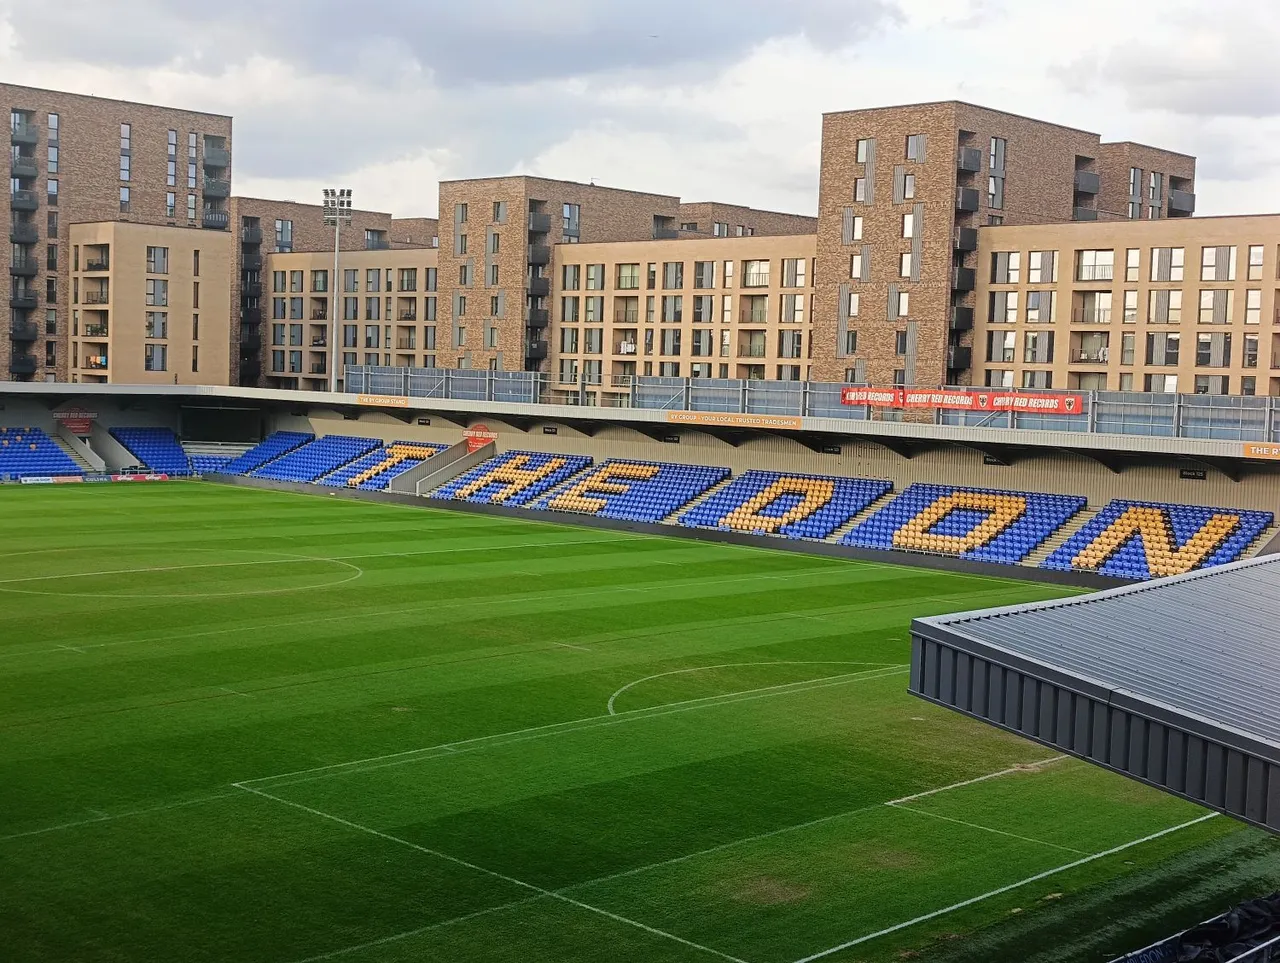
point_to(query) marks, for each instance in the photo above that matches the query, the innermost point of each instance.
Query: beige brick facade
(1131, 306)
(85, 164)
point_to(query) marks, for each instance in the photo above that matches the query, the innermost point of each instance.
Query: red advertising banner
(478, 436)
(78, 421)
(965, 399)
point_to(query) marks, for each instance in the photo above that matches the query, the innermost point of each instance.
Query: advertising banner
(139, 478)
(383, 401)
(478, 436)
(1261, 450)
(725, 419)
(965, 399)
(77, 420)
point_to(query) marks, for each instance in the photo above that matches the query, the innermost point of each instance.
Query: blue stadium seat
(1144, 540)
(317, 458)
(786, 504)
(274, 446)
(981, 524)
(638, 491)
(394, 459)
(157, 449)
(30, 453)
(513, 478)
(207, 464)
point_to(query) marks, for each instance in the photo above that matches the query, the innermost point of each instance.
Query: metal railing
(1214, 417)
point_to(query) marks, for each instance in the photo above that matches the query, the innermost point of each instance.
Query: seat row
(27, 452)
(157, 449)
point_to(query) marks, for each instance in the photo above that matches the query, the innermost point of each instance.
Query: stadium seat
(981, 524)
(1144, 540)
(274, 446)
(30, 453)
(207, 464)
(785, 504)
(157, 449)
(374, 471)
(317, 458)
(638, 491)
(513, 478)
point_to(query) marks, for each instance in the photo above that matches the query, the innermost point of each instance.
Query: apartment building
(150, 304)
(78, 159)
(733, 307)
(713, 219)
(903, 193)
(1162, 305)
(387, 312)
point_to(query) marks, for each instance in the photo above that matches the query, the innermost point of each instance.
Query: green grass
(257, 726)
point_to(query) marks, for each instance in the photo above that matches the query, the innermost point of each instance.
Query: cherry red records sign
(965, 400)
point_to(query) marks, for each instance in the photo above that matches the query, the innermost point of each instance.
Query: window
(1167, 263)
(704, 275)
(195, 327)
(1038, 347)
(170, 204)
(1095, 265)
(126, 136)
(51, 223)
(755, 274)
(155, 357)
(373, 309)
(428, 309)
(908, 225)
(628, 277)
(1006, 267)
(320, 282)
(860, 190)
(408, 279)
(595, 277)
(53, 159)
(572, 219)
(191, 211)
(1155, 189)
(855, 304)
(670, 343)
(995, 192)
(191, 174)
(862, 150)
(1252, 307)
(672, 275)
(720, 229)
(1255, 262)
(1249, 385)
(995, 220)
(915, 147)
(855, 232)
(195, 294)
(278, 333)
(571, 277)
(1218, 263)
(904, 304)
(195, 357)
(125, 167)
(850, 347)
(295, 282)
(1041, 306)
(569, 310)
(51, 257)
(1135, 210)
(491, 275)
(54, 131)
(157, 324)
(1037, 379)
(1000, 346)
(1003, 307)
(157, 292)
(284, 234)
(793, 269)
(568, 340)
(1042, 267)
(124, 200)
(1163, 349)
(462, 244)
(1135, 182)
(1250, 351)
(904, 264)
(51, 191)
(727, 273)
(1132, 257)
(1216, 306)
(995, 158)
(429, 279)
(999, 378)
(672, 308)
(1213, 350)
(1130, 307)
(593, 309)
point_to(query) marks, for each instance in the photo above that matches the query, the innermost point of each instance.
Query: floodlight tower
(337, 212)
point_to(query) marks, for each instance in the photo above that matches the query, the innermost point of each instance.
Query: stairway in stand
(74, 455)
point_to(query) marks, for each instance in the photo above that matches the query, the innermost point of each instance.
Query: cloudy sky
(707, 99)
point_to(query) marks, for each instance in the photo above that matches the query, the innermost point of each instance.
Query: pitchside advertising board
(77, 479)
(965, 400)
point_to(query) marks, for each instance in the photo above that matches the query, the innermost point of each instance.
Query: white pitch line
(1040, 764)
(566, 645)
(489, 872)
(106, 818)
(987, 829)
(574, 725)
(1001, 890)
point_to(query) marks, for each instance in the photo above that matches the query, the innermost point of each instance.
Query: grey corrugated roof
(1206, 645)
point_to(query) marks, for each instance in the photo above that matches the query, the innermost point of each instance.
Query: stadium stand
(1143, 540)
(317, 458)
(30, 453)
(512, 478)
(374, 471)
(156, 449)
(638, 491)
(272, 447)
(975, 523)
(207, 464)
(792, 506)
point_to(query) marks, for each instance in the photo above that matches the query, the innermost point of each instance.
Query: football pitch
(239, 725)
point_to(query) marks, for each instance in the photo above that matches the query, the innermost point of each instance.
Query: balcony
(97, 362)
(215, 220)
(23, 333)
(406, 344)
(24, 267)
(969, 160)
(407, 315)
(377, 243)
(965, 239)
(23, 200)
(539, 254)
(535, 350)
(251, 290)
(23, 232)
(539, 287)
(1091, 316)
(665, 234)
(961, 318)
(1096, 356)
(1084, 214)
(624, 347)
(250, 344)
(958, 357)
(320, 342)
(539, 223)
(538, 318)
(251, 262)
(26, 135)
(23, 300)
(250, 315)
(96, 331)
(963, 279)
(751, 351)
(100, 264)
(319, 314)
(318, 368)
(101, 296)
(216, 157)
(1087, 182)
(216, 187)
(22, 364)
(24, 168)
(251, 234)
(1181, 203)
(966, 199)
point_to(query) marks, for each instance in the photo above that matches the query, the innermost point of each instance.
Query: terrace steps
(863, 515)
(698, 499)
(1058, 538)
(71, 453)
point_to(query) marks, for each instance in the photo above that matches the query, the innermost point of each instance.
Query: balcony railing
(407, 316)
(539, 287)
(536, 350)
(751, 351)
(318, 367)
(1087, 182)
(216, 156)
(97, 331)
(97, 363)
(1096, 272)
(23, 200)
(755, 279)
(665, 234)
(961, 318)
(539, 254)
(1182, 202)
(966, 199)
(963, 279)
(539, 223)
(25, 267)
(101, 264)
(23, 333)
(216, 187)
(22, 364)
(624, 347)
(959, 357)
(1084, 214)
(23, 300)
(24, 168)
(319, 314)
(249, 234)
(538, 318)
(24, 134)
(969, 160)
(966, 239)
(626, 317)
(97, 297)
(23, 232)
(215, 220)
(1091, 316)
(405, 345)
(1095, 356)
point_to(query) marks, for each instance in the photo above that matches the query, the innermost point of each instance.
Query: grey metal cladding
(1175, 683)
